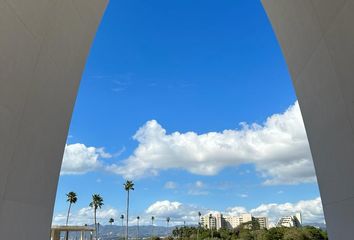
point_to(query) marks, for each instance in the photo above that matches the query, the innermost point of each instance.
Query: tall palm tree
(167, 223)
(71, 198)
(111, 221)
(152, 224)
(122, 218)
(128, 186)
(97, 202)
(199, 215)
(138, 219)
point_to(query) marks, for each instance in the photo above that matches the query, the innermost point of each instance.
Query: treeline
(249, 231)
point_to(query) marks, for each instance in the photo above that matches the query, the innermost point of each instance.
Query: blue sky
(187, 66)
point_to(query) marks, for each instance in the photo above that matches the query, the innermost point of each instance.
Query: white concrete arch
(43, 48)
(317, 39)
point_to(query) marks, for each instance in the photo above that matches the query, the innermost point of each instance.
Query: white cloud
(311, 210)
(170, 185)
(85, 216)
(278, 148)
(199, 184)
(243, 195)
(236, 211)
(198, 188)
(80, 159)
(177, 211)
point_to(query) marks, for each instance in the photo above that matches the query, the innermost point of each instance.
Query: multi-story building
(208, 221)
(290, 221)
(263, 222)
(218, 220)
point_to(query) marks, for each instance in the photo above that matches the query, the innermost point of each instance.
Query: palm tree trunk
(95, 223)
(67, 221)
(127, 220)
(122, 232)
(138, 230)
(67, 217)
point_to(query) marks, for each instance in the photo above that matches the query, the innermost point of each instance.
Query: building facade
(290, 221)
(218, 220)
(208, 221)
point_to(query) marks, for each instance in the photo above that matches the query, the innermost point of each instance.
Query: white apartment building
(290, 221)
(217, 221)
(263, 222)
(208, 221)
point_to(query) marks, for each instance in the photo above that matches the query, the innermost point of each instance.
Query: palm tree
(97, 202)
(167, 223)
(152, 224)
(111, 221)
(199, 215)
(137, 218)
(122, 218)
(128, 186)
(71, 198)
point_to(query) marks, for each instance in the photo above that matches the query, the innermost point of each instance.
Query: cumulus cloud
(278, 148)
(80, 159)
(177, 211)
(311, 210)
(85, 216)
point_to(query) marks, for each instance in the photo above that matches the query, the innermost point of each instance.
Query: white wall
(317, 39)
(43, 48)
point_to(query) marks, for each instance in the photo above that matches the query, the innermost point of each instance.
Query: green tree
(314, 233)
(97, 202)
(294, 234)
(245, 234)
(275, 233)
(111, 221)
(128, 186)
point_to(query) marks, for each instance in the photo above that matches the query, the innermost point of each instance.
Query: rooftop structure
(85, 232)
(290, 221)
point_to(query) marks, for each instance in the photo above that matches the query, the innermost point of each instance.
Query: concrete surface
(317, 39)
(43, 49)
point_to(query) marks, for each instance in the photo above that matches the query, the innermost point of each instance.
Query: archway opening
(192, 101)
